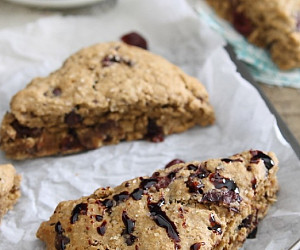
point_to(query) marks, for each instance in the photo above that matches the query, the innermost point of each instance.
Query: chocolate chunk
(60, 240)
(147, 183)
(98, 217)
(79, 209)
(102, 229)
(129, 228)
(202, 172)
(154, 132)
(121, 197)
(25, 132)
(247, 222)
(192, 167)
(135, 39)
(72, 119)
(137, 194)
(252, 234)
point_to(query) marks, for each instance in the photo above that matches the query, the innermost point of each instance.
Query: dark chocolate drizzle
(222, 182)
(162, 220)
(257, 155)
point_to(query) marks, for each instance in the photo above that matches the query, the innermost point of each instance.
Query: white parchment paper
(173, 31)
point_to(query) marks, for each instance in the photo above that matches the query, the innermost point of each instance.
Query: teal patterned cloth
(258, 60)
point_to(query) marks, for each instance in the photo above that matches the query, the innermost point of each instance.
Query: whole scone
(102, 95)
(271, 24)
(214, 204)
(9, 188)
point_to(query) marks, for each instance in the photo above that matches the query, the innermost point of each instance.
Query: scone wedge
(271, 24)
(9, 188)
(214, 204)
(102, 95)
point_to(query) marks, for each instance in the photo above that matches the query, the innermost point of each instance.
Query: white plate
(55, 4)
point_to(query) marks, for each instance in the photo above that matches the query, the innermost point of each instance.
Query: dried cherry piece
(224, 196)
(194, 184)
(241, 23)
(135, 39)
(173, 162)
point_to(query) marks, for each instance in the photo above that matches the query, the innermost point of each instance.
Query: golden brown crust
(215, 203)
(9, 188)
(101, 95)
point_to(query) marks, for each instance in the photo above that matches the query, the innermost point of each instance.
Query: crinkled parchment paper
(173, 31)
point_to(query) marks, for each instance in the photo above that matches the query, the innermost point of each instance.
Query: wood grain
(287, 103)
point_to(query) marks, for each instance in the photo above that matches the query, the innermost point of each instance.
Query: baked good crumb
(214, 204)
(102, 95)
(9, 188)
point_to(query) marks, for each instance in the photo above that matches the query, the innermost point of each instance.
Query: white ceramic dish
(55, 4)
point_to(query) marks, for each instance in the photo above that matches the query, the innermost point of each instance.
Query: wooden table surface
(287, 103)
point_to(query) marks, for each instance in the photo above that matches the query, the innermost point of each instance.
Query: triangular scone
(214, 204)
(101, 95)
(9, 188)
